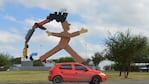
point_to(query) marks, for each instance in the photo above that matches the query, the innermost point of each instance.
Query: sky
(100, 17)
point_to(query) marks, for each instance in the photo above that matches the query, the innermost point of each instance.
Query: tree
(37, 63)
(4, 61)
(143, 57)
(66, 59)
(97, 58)
(16, 60)
(122, 48)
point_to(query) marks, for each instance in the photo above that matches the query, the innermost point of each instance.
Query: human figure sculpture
(63, 44)
(65, 37)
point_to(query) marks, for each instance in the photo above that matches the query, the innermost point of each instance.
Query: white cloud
(122, 12)
(126, 12)
(43, 38)
(8, 49)
(10, 18)
(2, 3)
(53, 26)
(8, 37)
(10, 41)
(119, 12)
(73, 6)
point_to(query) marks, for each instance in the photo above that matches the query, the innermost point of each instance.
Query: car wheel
(95, 80)
(57, 80)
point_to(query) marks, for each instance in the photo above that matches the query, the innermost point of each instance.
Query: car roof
(68, 63)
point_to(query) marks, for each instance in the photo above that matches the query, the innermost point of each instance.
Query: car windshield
(91, 67)
(88, 67)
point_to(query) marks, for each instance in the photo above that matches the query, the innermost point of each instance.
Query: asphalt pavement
(127, 82)
(108, 82)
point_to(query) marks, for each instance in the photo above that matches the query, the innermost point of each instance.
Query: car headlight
(102, 74)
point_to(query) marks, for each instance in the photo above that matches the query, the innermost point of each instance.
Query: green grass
(132, 76)
(24, 76)
(41, 76)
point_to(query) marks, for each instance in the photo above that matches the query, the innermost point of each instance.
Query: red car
(75, 72)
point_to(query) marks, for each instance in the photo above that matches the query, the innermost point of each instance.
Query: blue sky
(99, 16)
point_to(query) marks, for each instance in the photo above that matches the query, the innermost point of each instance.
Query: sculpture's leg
(74, 54)
(50, 53)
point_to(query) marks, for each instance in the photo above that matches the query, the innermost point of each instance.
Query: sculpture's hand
(83, 30)
(49, 33)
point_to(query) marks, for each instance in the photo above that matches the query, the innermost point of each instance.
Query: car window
(66, 67)
(79, 67)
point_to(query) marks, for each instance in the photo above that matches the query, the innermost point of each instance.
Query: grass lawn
(132, 76)
(41, 76)
(24, 76)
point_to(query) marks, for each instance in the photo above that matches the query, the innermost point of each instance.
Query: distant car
(75, 72)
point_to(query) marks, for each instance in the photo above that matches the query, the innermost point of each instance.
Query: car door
(67, 72)
(81, 73)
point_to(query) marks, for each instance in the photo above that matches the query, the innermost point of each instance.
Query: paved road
(128, 82)
(108, 82)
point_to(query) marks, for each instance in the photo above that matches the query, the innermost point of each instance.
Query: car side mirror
(85, 70)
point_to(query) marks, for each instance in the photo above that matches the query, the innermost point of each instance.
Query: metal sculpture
(64, 35)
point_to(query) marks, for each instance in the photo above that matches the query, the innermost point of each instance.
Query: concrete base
(26, 63)
(28, 66)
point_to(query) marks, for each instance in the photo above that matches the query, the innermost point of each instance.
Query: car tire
(57, 80)
(95, 80)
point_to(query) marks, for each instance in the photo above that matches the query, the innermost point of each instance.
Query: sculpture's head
(65, 25)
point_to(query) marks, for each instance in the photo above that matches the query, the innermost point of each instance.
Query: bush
(5, 62)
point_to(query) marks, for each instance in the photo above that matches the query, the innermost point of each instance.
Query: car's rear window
(66, 67)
